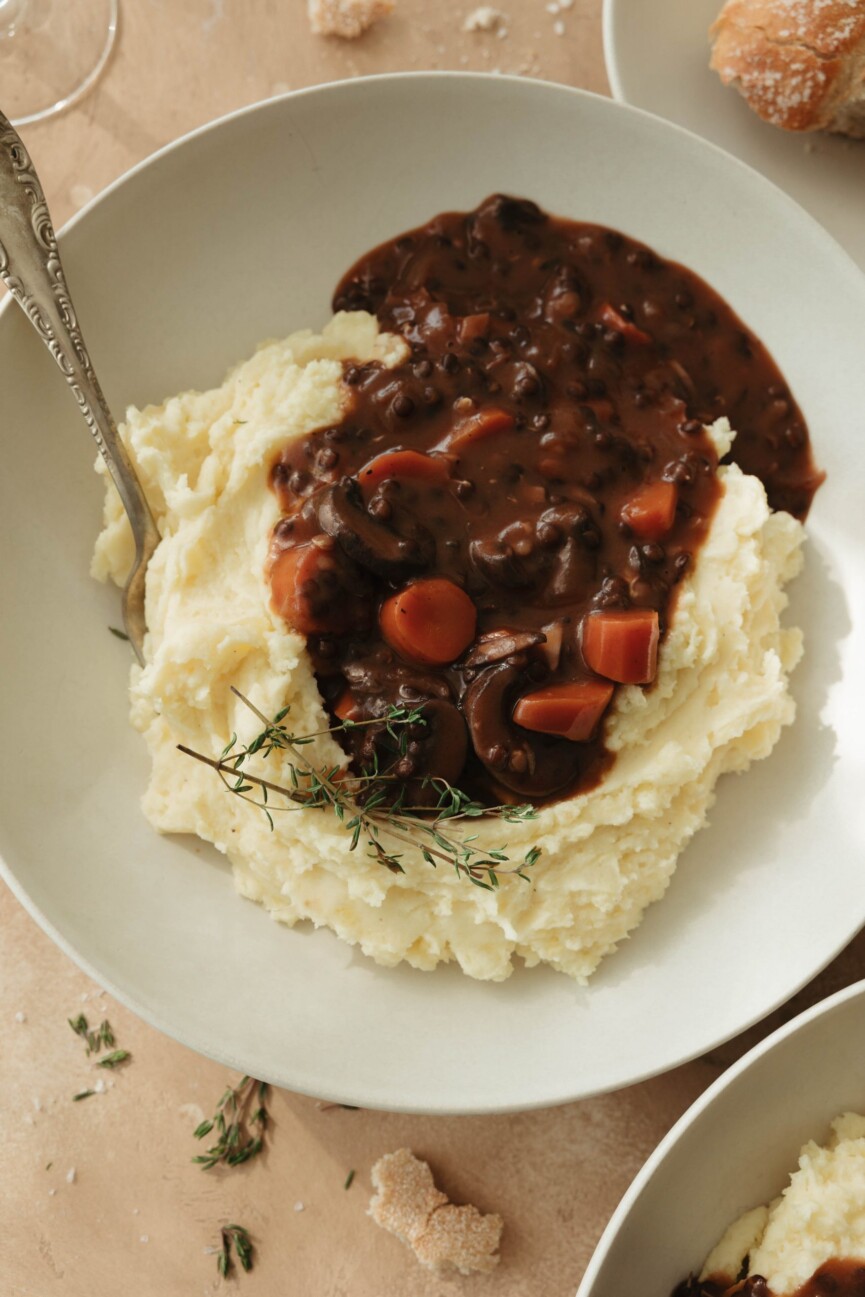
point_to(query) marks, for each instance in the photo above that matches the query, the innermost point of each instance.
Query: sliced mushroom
(436, 748)
(445, 743)
(381, 547)
(497, 562)
(573, 575)
(496, 645)
(532, 765)
(384, 677)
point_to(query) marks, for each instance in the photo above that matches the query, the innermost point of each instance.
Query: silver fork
(30, 267)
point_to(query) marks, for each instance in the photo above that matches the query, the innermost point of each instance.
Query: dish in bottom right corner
(809, 1241)
(759, 1188)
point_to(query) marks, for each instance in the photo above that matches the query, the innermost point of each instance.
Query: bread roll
(800, 64)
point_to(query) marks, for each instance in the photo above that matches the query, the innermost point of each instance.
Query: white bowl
(240, 232)
(733, 1149)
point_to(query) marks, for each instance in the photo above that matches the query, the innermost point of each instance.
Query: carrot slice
(430, 621)
(307, 590)
(401, 463)
(485, 423)
(651, 511)
(613, 320)
(570, 710)
(346, 707)
(622, 646)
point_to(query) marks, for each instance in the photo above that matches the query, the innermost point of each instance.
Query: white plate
(733, 1149)
(238, 233)
(657, 57)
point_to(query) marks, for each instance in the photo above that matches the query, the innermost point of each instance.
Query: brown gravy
(834, 1278)
(557, 370)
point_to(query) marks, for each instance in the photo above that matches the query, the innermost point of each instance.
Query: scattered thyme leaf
(367, 805)
(233, 1121)
(114, 1059)
(239, 1237)
(349, 1178)
(119, 634)
(82, 1094)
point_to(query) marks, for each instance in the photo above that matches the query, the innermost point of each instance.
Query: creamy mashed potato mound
(719, 702)
(819, 1217)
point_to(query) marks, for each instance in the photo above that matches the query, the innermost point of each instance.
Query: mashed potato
(818, 1218)
(719, 702)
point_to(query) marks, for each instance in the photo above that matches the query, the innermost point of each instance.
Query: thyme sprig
(233, 1121)
(364, 804)
(237, 1235)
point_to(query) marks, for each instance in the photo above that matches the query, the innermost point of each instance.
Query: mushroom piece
(497, 562)
(573, 575)
(436, 748)
(496, 645)
(383, 677)
(531, 765)
(373, 544)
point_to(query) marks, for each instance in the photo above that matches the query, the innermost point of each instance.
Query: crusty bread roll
(799, 64)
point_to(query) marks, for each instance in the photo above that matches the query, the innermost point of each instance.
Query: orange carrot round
(570, 710)
(401, 464)
(304, 589)
(430, 621)
(485, 423)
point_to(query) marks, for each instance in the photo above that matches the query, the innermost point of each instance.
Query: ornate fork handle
(31, 268)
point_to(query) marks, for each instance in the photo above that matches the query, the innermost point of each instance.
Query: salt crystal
(298, 1206)
(483, 19)
(70, 1175)
(20, 1017)
(559, 28)
(145, 1238)
(51, 1193)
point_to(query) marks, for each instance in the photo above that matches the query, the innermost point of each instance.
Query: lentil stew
(496, 528)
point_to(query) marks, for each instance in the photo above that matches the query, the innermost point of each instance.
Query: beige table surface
(99, 1198)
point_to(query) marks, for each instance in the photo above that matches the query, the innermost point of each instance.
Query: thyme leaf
(366, 805)
(237, 1236)
(241, 1110)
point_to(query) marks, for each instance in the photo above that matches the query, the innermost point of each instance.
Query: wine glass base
(52, 52)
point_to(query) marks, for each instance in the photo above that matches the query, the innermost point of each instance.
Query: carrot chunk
(401, 464)
(307, 590)
(346, 707)
(485, 423)
(430, 621)
(569, 710)
(614, 320)
(622, 646)
(651, 511)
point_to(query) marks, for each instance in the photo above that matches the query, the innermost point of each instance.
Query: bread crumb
(347, 19)
(441, 1235)
(484, 19)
